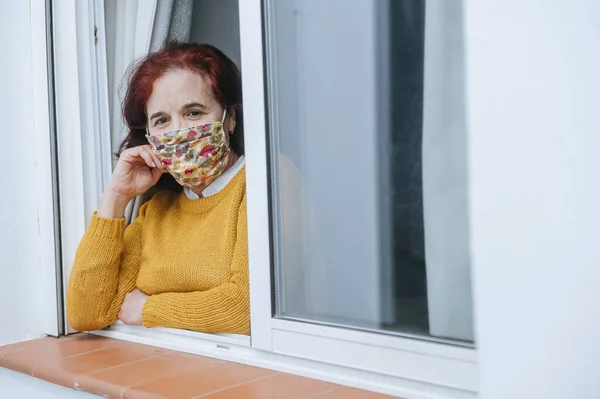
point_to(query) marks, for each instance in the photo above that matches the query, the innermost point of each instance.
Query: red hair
(221, 74)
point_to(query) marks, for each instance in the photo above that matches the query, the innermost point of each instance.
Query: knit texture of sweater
(189, 256)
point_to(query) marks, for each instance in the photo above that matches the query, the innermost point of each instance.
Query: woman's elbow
(79, 323)
(82, 319)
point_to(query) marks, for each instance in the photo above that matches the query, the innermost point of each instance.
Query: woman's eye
(160, 121)
(194, 114)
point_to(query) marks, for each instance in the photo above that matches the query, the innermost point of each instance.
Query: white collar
(219, 183)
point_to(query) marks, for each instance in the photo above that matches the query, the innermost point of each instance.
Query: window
(368, 157)
(346, 170)
(328, 74)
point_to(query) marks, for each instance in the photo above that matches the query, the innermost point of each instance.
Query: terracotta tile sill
(119, 369)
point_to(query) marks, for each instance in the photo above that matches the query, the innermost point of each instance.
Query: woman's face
(182, 99)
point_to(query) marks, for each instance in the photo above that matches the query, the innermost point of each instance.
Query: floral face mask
(194, 156)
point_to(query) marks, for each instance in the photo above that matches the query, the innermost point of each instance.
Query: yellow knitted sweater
(190, 256)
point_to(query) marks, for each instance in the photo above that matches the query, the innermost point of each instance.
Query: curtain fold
(135, 27)
(129, 26)
(172, 21)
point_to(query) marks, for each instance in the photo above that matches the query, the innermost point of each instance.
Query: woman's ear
(231, 116)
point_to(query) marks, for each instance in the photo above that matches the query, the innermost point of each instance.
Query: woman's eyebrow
(193, 105)
(157, 114)
(183, 108)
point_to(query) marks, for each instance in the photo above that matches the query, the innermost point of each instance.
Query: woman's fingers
(156, 173)
(133, 155)
(142, 155)
(147, 156)
(156, 159)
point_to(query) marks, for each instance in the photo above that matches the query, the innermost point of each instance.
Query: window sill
(173, 334)
(119, 369)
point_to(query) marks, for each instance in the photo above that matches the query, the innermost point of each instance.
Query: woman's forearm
(95, 275)
(105, 269)
(112, 206)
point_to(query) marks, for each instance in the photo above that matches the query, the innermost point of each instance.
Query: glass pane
(369, 165)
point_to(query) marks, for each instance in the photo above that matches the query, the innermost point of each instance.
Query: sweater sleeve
(225, 308)
(105, 270)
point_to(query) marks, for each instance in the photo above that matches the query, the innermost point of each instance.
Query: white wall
(533, 89)
(26, 262)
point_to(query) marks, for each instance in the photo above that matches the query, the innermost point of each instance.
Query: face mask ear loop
(223, 123)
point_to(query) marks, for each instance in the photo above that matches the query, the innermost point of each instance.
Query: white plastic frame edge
(411, 360)
(79, 108)
(42, 121)
(68, 128)
(257, 187)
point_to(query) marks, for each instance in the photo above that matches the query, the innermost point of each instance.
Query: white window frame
(44, 147)
(428, 366)
(410, 368)
(81, 88)
(81, 99)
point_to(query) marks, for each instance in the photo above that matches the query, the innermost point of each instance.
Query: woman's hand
(131, 309)
(137, 170)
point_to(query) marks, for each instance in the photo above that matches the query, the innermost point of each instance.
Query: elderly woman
(183, 262)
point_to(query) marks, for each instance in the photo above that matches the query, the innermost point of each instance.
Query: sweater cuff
(105, 228)
(151, 313)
